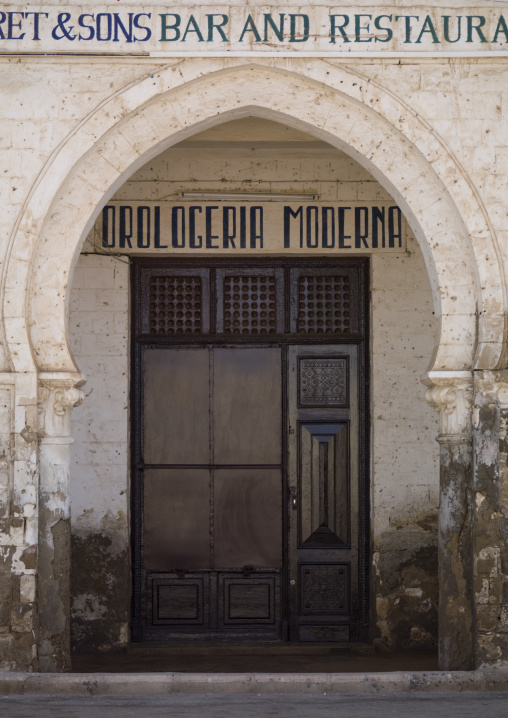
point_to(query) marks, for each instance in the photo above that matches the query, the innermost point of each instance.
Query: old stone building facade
(254, 262)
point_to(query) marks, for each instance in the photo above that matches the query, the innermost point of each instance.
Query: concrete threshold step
(262, 648)
(252, 683)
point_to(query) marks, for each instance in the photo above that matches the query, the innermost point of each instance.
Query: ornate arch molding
(332, 103)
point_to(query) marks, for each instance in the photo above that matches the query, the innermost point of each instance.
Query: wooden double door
(249, 482)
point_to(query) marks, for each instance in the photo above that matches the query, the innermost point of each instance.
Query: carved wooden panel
(324, 589)
(175, 305)
(249, 600)
(323, 304)
(324, 484)
(323, 382)
(179, 601)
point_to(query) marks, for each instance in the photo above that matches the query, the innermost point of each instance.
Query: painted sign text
(241, 29)
(137, 228)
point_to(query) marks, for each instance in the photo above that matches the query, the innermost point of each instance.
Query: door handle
(292, 497)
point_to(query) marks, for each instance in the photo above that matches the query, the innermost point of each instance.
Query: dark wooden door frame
(140, 337)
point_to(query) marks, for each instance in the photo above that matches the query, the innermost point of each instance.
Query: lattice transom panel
(249, 305)
(175, 305)
(324, 305)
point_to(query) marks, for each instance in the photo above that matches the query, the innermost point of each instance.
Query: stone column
(451, 393)
(491, 518)
(58, 394)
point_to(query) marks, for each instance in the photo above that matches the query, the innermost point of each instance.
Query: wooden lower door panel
(249, 600)
(181, 601)
(324, 601)
(213, 604)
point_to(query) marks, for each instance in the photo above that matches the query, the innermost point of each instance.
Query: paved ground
(447, 705)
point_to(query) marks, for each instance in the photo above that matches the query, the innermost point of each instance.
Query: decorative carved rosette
(451, 394)
(58, 395)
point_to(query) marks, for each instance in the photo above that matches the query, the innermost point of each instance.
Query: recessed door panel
(177, 519)
(324, 484)
(248, 510)
(177, 602)
(176, 397)
(249, 600)
(247, 405)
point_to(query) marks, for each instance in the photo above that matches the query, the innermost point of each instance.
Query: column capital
(58, 394)
(451, 394)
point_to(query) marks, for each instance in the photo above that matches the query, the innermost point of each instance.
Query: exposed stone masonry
(491, 517)
(451, 394)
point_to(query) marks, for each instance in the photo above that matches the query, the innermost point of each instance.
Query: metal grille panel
(324, 305)
(249, 305)
(324, 588)
(175, 305)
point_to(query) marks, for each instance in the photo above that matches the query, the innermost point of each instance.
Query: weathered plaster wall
(40, 108)
(405, 474)
(100, 572)
(18, 526)
(466, 103)
(44, 100)
(405, 454)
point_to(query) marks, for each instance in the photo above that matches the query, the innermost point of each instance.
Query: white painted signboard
(238, 228)
(246, 29)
